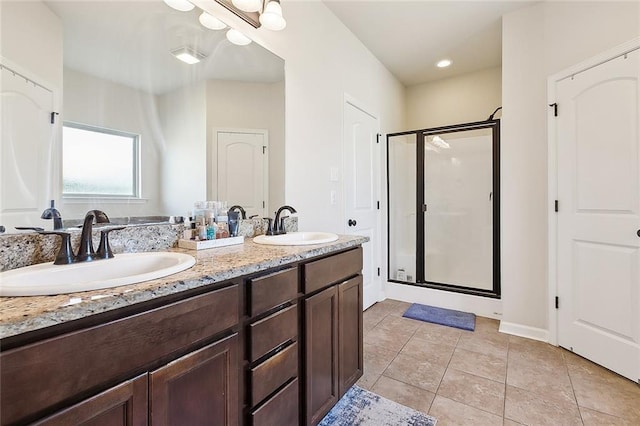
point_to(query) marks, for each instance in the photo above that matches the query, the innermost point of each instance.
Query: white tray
(207, 244)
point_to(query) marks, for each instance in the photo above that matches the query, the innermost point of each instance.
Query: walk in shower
(444, 207)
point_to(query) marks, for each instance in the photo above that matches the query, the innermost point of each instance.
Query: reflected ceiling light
(188, 55)
(181, 5)
(271, 17)
(444, 63)
(440, 143)
(248, 5)
(209, 21)
(236, 37)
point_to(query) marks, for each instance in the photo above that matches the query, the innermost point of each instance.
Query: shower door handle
(352, 222)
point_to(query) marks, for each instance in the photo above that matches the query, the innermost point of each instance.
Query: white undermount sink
(127, 268)
(296, 238)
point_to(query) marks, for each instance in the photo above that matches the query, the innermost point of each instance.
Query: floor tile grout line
(573, 390)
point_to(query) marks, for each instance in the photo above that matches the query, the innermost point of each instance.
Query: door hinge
(263, 205)
(378, 204)
(555, 108)
(556, 206)
(53, 117)
(264, 149)
(378, 271)
(557, 302)
(424, 208)
(378, 137)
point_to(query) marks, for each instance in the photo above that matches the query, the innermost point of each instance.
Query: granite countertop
(23, 314)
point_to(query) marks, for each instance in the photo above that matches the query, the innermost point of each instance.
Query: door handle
(638, 233)
(352, 222)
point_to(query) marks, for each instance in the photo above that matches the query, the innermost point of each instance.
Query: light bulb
(209, 21)
(443, 63)
(181, 5)
(248, 5)
(236, 37)
(272, 18)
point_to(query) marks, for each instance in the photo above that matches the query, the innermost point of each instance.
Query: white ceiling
(129, 42)
(409, 37)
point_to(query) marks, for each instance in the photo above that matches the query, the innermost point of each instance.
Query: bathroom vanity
(253, 335)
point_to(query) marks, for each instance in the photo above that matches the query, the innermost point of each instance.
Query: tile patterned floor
(486, 377)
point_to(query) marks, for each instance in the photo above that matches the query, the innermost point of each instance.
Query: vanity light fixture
(248, 5)
(444, 63)
(209, 21)
(271, 18)
(181, 5)
(236, 37)
(188, 55)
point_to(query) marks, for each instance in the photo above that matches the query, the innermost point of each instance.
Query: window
(98, 162)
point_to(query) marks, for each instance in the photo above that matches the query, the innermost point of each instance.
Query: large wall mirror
(120, 76)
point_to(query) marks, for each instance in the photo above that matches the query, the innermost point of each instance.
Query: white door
(26, 151)
(361, 182)
(243, 176)
(599, 214)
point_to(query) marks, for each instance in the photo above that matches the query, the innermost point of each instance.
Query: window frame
(136, 175)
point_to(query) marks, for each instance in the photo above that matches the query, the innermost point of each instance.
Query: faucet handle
(104, 248)
(270, 230)
(65, 253)
(281, 229)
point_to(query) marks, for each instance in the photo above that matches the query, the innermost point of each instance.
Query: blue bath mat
(442, 316)
(359, 407)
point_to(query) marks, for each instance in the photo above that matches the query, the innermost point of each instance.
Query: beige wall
(98, 102)
(463, 99)
(31, 37)
(540, 41)
(323, 62)
(240, 105)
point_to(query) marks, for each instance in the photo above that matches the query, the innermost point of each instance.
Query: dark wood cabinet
(350, 335)
(273, 348)
(332, 330)
(122, 405)
(198, 389)
(321, 354)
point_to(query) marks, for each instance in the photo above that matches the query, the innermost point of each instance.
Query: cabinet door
(350, 333)
(321, 354)
(201, 388)
(124, 404)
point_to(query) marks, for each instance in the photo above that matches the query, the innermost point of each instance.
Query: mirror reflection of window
(98, 162)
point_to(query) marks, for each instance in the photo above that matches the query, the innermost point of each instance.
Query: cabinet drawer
(272, 290)
(280, 410)
(86, 359)
(272, 331)
(332, 269)
(273, 373)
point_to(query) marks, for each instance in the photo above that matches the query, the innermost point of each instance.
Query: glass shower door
(458, 208)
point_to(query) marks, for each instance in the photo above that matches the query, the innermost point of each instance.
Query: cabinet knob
(352, 222)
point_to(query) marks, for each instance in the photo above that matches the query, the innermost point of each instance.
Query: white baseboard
(481, 306)
(524, 331)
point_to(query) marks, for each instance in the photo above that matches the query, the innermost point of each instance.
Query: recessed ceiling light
(443, 63)
(188, 55)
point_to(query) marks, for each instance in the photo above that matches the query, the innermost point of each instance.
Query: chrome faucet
(278, 223)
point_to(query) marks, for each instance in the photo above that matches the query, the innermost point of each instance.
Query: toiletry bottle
(186, 234)
(194, 231)
(211, 231)
(202, 230)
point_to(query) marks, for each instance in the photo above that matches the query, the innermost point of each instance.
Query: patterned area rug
(361, 407)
